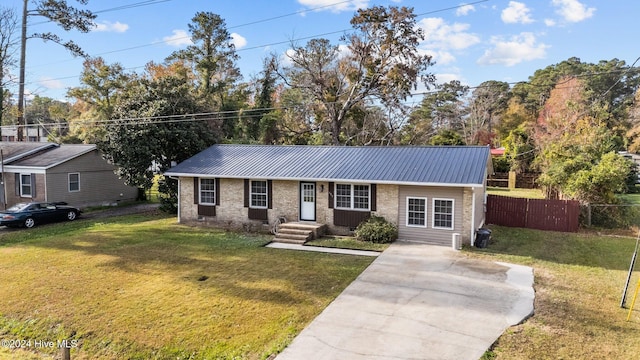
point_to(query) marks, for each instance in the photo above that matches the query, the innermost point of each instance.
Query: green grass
(143, 287)
(520, 193)
(346, 242)
(579, 280)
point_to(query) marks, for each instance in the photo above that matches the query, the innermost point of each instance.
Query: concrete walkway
(418, 301)
(277, 245)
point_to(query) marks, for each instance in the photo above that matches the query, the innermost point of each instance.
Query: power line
(252, 23)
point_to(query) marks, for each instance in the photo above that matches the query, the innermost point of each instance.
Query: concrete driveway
(419, 301)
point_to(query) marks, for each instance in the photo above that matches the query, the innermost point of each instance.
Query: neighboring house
(430, 193)
(76, 174)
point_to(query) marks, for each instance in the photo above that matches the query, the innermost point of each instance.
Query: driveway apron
(418, 301)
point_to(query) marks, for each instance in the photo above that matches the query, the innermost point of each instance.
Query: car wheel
(29, 223)
(71, 215)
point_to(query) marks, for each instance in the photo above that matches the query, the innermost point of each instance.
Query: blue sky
(482, 40)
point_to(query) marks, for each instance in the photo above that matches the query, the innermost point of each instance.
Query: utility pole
(23, 52)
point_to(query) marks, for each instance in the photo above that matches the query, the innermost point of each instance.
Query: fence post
(512, 180)
(589, 214)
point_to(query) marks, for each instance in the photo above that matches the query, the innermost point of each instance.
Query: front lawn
(579, 280)
(142, 287)
(346, 242)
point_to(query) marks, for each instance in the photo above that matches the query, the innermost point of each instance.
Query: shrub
(376, 229)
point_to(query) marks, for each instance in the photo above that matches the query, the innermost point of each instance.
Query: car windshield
(18, 207)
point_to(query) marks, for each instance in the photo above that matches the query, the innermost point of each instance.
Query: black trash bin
(482, 238)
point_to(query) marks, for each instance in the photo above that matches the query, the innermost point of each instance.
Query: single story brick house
(429, 192)
(76, 174)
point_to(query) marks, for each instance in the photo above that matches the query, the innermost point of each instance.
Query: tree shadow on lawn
(583, 249)
(233, 264)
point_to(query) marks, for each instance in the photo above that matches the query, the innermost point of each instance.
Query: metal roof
(420, 165)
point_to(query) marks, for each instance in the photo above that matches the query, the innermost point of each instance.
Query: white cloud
(238, 40)
(441, 39)
(440, 35)
(179, 38)
(334, 6)
(516, 13)
(107, 26)
(50, 83)
(439, 57)
(443, 78)
(513, 51)
(550, 22)
(573, 10)
(465, 10)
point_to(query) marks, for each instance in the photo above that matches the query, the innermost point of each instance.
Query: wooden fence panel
(506, 211)
(541, 214)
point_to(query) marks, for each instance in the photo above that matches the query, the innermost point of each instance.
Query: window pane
(416, 211)
(360, 196)
(259, 194)
(343, 196)
(25, 188)
(443, 213)
(74, 182)
(207, 191)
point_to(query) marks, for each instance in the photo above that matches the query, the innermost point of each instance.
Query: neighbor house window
(25, 185)
(258, 194)
(208, 191)
(416, 211)
(74, 182)
(349, 196)
(443, 213)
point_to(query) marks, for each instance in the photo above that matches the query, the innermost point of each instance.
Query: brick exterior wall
(13, 196)
(232, 214)
(467, 215)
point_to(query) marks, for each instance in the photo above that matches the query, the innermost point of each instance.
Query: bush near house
(376, 229)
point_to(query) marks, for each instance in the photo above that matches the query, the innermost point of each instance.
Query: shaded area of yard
(145, 287)
(579, 280)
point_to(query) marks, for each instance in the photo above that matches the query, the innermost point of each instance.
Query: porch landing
(299, 232)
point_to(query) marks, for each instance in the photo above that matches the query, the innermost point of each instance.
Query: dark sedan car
(30, 214)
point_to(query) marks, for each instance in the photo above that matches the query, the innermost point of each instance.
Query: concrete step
(294, 231)
(288, 241)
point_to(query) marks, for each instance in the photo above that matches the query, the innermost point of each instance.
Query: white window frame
(200, 191)
(22, 184)
(425, 211)
(352, 197)
(266, 194)
(69, 181)
(433, 213)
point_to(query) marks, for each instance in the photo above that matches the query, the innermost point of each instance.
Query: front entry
(307, 201)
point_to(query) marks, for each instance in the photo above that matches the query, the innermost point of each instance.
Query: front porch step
(299, 232)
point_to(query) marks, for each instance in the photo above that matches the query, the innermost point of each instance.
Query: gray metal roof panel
(403, 164)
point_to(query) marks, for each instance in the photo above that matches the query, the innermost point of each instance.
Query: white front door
(308, 201)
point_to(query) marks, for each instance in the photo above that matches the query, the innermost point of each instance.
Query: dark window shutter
(17, 184)
(373, 197)
(246, 193)
(33, 186)
(330, 194)
(196, 190)
(269, 193)
(217, 192)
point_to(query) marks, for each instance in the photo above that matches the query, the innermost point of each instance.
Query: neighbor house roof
(423, 165)
(13, 150)
(53, 156)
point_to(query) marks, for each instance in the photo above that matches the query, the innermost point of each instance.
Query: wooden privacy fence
(541, 214)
